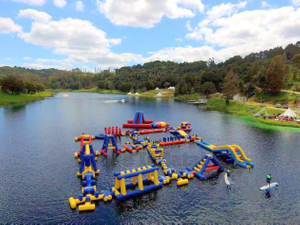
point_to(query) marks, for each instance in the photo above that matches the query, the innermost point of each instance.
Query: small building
(159, 94)
(156, 88)
(171, 88)
(129, 93)
(137, 93)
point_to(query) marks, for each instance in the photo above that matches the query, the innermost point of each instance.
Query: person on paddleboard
(269, 178)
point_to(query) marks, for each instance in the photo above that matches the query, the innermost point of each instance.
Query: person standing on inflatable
(269, 178)
(228, 173)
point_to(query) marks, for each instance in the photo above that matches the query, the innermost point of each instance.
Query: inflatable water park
(147, 178)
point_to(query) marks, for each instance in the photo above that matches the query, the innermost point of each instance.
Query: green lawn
(166, 93)
(8, 98)
(241, 109)
(187, 98)
(282, 98)
(91, 90)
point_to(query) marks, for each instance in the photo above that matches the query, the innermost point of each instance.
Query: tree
(207, 89)
(260, 78)
(39, 87)
(101, 84)
(12, 84)
(166, 84)
(30, 86)
(181, 88)
(296, 61)
(274, 75)
(230, 86)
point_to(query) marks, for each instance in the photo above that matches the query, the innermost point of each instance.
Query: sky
(102, 34)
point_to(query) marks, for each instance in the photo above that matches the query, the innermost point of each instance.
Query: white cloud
(35, 15)
(32, 2)
(265, 5)
(224, 10)
(80, 40)
(79, 6)
(27, 58)
(182, 54)
(8, 26)
(263, 28)
(188, 26)
(146, 13)
(8, 58)
(296, 2)
(59, 3)
(239, 34)
(41, 66)
(178, 39)
(215, 13)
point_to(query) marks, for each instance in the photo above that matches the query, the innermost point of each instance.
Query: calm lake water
(38, 168)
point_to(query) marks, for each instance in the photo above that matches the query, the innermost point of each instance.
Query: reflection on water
(38, 169)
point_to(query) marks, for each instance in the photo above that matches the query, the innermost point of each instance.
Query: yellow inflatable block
(182, 182)
(87, 207)
(195, 168)
(174, 176)
(72, 203)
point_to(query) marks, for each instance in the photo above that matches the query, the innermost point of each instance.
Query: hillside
(249, 74)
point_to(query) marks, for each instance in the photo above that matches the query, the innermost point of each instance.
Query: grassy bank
(248, 110)
(91, 90)
(166, 93)
(188, 98)
(8, 98)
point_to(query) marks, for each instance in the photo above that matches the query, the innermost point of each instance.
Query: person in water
(269, 178)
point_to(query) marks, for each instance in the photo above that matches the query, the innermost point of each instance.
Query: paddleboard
(227, 181)
(266, 187)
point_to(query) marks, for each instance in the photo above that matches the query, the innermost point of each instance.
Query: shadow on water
(15, 108)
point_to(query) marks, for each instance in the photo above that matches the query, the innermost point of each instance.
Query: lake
(38, 168)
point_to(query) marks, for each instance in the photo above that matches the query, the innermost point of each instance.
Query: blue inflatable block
(137, 191)
(100, 136)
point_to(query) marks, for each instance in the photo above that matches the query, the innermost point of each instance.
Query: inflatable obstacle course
(131, 147)
(204, 166)
(184, 126)
(136, 176)
(140, 122)
(156, 153)
(116, 131)
(151, 181)
(84, 139)
(109, 143)
(172, 141)
(87, 171)
(233, 152)
(87, 161)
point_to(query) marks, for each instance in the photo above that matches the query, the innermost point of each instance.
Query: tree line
(267, 71)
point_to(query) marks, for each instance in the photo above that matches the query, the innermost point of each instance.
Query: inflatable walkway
(233, 151)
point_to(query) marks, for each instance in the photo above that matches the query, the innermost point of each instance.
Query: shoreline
(7, 99)
(213, 104)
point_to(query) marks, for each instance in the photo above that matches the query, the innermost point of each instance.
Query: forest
(267, 71)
